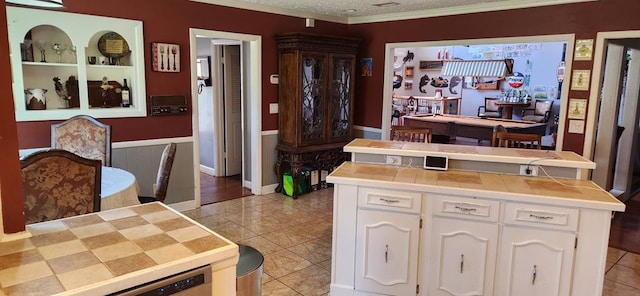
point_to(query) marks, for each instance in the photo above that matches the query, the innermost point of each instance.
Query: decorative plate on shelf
(112, 45)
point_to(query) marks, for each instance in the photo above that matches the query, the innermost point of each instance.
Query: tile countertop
(105, 252)
(472, 153)
(561, 192)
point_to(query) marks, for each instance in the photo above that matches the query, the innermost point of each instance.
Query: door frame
(601, 154)
(251, 97)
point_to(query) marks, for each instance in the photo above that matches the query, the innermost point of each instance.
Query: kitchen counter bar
(109, 251)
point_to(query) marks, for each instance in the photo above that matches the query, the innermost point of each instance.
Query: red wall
(584, 20)
(169, 21)
(163, 21)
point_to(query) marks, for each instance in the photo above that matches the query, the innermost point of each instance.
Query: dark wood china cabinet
(316, 83)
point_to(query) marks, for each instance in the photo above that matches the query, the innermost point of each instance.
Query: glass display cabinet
(316, 83)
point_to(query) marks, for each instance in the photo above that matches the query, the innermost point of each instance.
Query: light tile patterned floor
(295, 238)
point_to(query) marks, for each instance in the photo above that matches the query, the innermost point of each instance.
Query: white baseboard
(269, 188)
(7, 237)
(207, 170)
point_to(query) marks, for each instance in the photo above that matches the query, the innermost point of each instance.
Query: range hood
(481, 68)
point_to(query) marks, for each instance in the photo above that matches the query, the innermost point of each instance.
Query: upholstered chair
(85, 136)
(162, 179)
(540, 112)
(490, 109)
(59, 184)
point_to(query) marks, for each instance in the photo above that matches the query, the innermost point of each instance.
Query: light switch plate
(273, 108)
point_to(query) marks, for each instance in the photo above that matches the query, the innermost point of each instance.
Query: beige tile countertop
(472, 153)
(105, 252)
(561, 192)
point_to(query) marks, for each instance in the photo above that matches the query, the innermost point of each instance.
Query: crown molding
(482, 7)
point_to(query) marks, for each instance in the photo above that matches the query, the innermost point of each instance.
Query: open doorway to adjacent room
(226, 115)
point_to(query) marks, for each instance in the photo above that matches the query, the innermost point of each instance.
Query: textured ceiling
(355, 11)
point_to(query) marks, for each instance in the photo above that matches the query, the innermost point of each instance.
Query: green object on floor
(304, 183)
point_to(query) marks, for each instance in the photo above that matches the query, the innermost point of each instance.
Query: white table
(119, 188)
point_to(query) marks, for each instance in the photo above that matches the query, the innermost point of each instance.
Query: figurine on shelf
(68, 92)
(105, 93)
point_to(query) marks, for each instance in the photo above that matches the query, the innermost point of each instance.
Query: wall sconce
(560, 72)
(38, 3)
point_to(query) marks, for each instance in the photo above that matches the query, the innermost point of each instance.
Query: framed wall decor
(580, 79)
(165, 57)
(577, 109)
(584, 50)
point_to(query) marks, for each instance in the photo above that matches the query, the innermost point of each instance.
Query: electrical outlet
(528, 170)
(394, 159)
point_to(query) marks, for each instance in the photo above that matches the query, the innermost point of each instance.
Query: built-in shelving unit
(116, 44)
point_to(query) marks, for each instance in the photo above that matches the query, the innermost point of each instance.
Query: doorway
(246, 108)
(617, 99)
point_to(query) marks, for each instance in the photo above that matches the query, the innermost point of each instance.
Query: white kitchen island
(402, 230)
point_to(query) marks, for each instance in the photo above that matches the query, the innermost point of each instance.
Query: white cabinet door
(463, 256)
(535, 262)
(387, 252)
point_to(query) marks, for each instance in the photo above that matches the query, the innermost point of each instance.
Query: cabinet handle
(389, 200)
(461, 263)
(386, 254)
(541, 217)
(533, 280)
(465, 209)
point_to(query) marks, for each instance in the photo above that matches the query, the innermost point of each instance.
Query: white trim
(388, 68)
(269, 188)
(596, 77)
(426, 13)
(367, 129)
(152, 142)
(253, 100)
(270, 133)
(207, 170)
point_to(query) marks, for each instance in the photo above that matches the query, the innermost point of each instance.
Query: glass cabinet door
(341, 96)
(313, 81)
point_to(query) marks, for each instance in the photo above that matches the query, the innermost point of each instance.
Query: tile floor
(295, 238)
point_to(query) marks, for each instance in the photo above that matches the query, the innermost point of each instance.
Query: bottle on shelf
(126, 95)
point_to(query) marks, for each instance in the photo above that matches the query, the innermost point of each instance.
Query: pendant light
(38, 3)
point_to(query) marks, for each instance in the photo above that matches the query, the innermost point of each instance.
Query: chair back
(410, 134)
(518, 140)
(497, 129)
(85, 136)
(490, 108)
(540, 112)
(164, 171)
(59, 184)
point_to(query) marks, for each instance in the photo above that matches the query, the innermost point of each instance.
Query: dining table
(508, 107)
(119, 189)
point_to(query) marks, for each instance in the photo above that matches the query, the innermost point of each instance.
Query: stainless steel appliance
(195, 282)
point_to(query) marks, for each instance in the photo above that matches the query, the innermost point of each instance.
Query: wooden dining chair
(162, 179)
(85, 136)
(496, 129)
(410, 134)
(58, 184)
(518, 140)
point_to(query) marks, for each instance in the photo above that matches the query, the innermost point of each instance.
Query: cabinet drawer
(541, 216)
(479, 209)
(391, 200)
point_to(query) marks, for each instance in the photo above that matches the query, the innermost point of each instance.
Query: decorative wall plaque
(583, 50)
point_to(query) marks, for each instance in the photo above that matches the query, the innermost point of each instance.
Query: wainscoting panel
(269, 158)
(143, 162)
